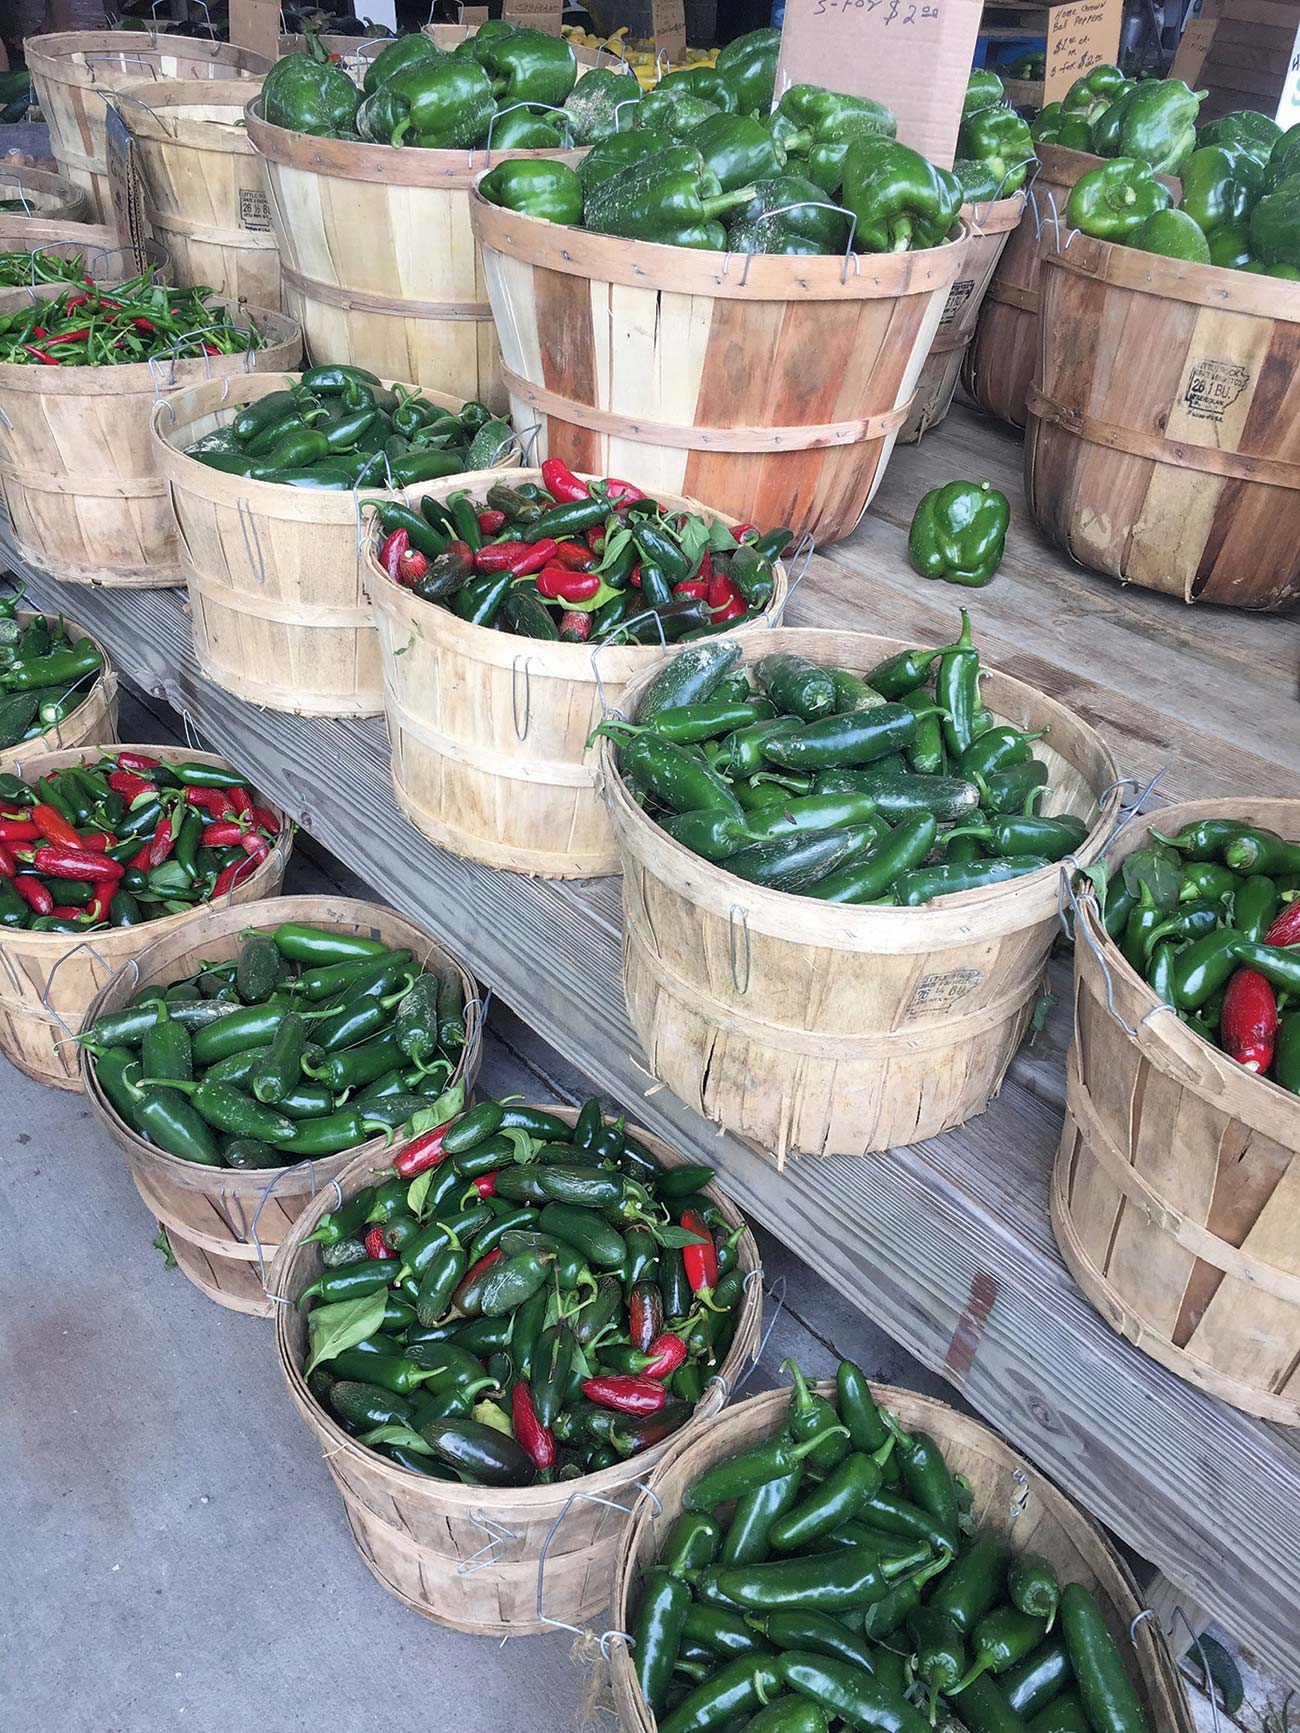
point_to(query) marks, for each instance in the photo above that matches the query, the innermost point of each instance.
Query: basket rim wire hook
(800, 551)
(98, 955)
(776, 1295)
(310, 1165)
(553, 1530)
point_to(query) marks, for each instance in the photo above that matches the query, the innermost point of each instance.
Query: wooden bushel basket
(489, 731)
(772, 387)
(47, 197)
(277, 591)
(470, 1557)
(94, 719)
(74, 71)
(378, 258)
(108, 264)
(78, 467)
(1176, 1191)
(205, 191)
(20, 234)
(225, 1224)
(1164, 440)
(48, 980)
(828, 1029)
(1009, 1495)
(989, 226)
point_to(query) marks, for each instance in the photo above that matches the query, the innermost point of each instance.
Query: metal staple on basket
(609, 1504)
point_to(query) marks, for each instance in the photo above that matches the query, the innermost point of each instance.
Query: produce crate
(834, 1029)
(1174, 1193)
(469, 1556)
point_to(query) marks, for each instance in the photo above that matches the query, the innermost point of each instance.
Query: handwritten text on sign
(1079, 36)
(891, 11)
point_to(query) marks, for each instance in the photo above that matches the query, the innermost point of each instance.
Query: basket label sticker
(254, 209)
(941, 992)
(1213, 387)
(958, 296)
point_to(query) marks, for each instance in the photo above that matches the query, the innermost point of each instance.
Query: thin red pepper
(575, 627)
(8, 865)
(536, 1439)
(265, 819)
(486, 1184)
(18, 830)
(701, 1260)
(254, 845)
(68, 912)
(1285, 929)
(559, 584)
(49, 360)
(696, 588)
(574, 555)
(161, 843)
(422, 1152)
(499, 556)
(376, 1245)
(36, 895)
(230, 876)
(229, 835)
(129, 785)
(95, 841)
(68, 337)
(98, 906)
(667, 1353)
(474, 1272)
(627, 1394)
(1248, 1021)
(54, 827)
(240, 802)
(212, 800)
(136, 761)
(69, 863)
(561, 483)
(491, 522)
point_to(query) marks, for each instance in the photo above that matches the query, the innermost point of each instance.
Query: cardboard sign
(124, 180)
(668, 27)
(473, 16)
(1198, 39)
(1288, 107)
(1080, 35)
(913, 55)
(534, 14)
(255, 24)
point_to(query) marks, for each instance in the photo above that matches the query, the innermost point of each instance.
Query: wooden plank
(947, 1244)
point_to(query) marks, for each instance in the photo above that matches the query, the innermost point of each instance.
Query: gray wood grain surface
(946, 1244)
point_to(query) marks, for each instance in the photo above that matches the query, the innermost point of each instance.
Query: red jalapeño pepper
(424, 1152)
(626, 1394)
(529, 1431)
(561, 483)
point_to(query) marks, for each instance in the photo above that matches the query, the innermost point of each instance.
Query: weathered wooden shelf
(945, 1244)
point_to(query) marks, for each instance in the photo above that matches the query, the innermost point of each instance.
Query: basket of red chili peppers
(56, 687)
(493, 1342)
(245, 1062)
(100, 852)
(1187, 1046)
(511, 614)
(838, 1555)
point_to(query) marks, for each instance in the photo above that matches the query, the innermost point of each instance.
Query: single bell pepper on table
(536, 188)
(1154, 122)
(737, 149)
(983, 90)
(1000, 139)
(602, 102)
(303, 94)
(788, 215)
(396, 56)
(530, 66)
(748, 67)
(818, 126)
(1173, 234)
(447, 104)
(670, 199)
(900, 200)
(1275, 224)
(1112, 201)
(1244, 126)
(959, 533)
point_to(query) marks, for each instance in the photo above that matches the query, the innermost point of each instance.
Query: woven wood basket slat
(94, 719)
(489, 731)
(1176, 1189)
(818, 1028)
(469, 1556)
(1009, 1495)
(226, 1224)
(49, 980)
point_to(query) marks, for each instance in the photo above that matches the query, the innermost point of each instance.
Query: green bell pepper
(1112, 201)
(1230, 247)
(1154, 123)
(1288, 273)
(379, 115)
(983, 90)
(530, 66)
(900, 200)
(669, 198)
(1244, 126)
(610, 156)
(959, 532)
(535, 187)
(516, 127)
(979, 185)
(602, 102)
(303, 94)
(1220, 186)
(748, 67)
(1275, 224)
(674, 112)
(999, 138)
(818, 126)
(737, 149)
(396, 56)
(447, 104)
(705, 82)
(1056, 126)
(787, 214)
(1175, 235)
(1283, 158)
(1095, 91)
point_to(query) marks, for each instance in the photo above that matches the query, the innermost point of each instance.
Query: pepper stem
(976, 1672)
(720, 202)
(810, 1444)
(900, 234)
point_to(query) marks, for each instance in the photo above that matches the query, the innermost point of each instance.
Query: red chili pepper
(230, 876)
(36, 895)
(222, 835)
(54, 827)
(486, 1185)
(701, 1260)
(500, 556)
(254, 845)
(740, 531)
(18, 830)
(39, 331)
(706, 567)
(491, 522)
(1285, 929)
(68, 337)
(696, 588)
(265, 819)
(129, 785)
(634, 576)
(49, 360)
(142, 324)
(1248, 1021)
(422, 1152)
(376, 1245)
(559, 584)
(622, 493)
(529, 1431)
(75, 302)
(721, 590)
(240, 802)
(561, 483)
(161, 843)
(139, 861)
(391, 552)
(70, 863)
(136, 761)
(211, 349)
(8, 865)
(474, 1271)
(95, 841)
(575, 627)
(411, 567)
(212, 800)
(573, 555)
(70, 913)
(596, 538)
(98, 906)
(732, 611)
(668, 1352)
(627, 1394)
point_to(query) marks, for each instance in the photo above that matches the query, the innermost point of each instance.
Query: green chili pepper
(1108, 1696)
(1032, 1683)
(657, 1633)
(973, 1585)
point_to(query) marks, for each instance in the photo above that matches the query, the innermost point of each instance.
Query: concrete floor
(176, 1551)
